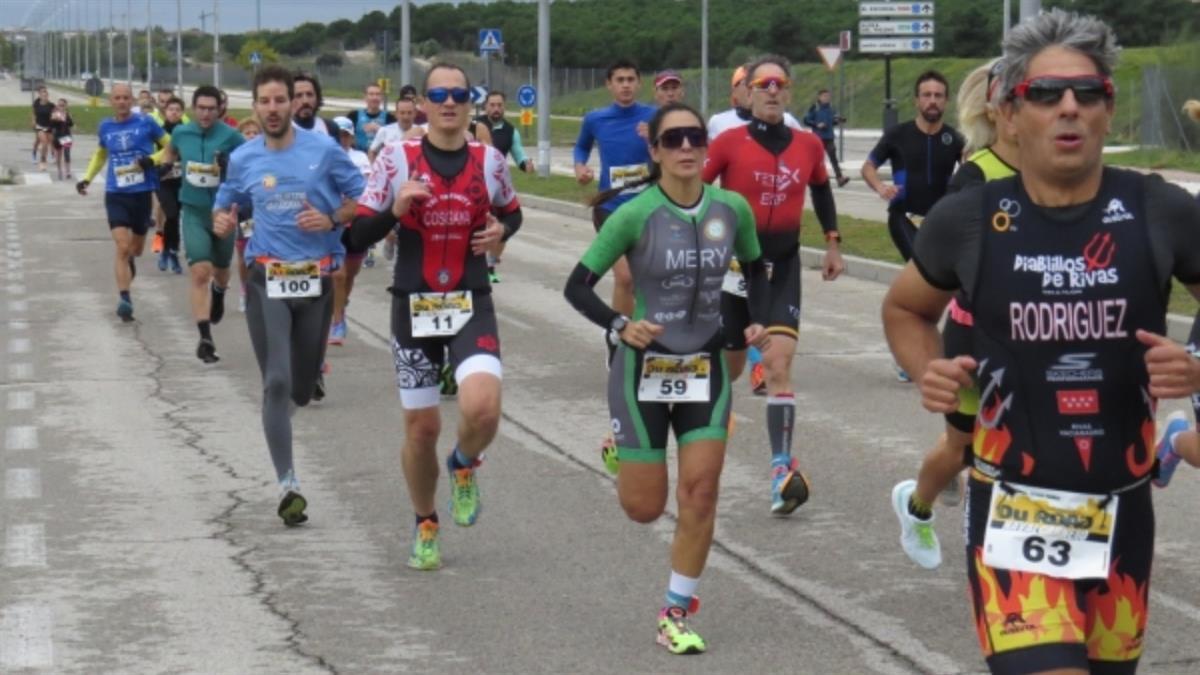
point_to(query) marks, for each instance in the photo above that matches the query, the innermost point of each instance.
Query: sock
(125, 296)
(217, 290)
(918, 509)
(781, 412)
(216, 310)
(754, 355)
(1171, 441)
(432, 517)
(459, 460)
(680, 590)
(205, 330)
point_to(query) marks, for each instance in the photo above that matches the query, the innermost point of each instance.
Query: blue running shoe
(1168, 459)
(162, 260)
(789, 488)
(337, 333)
(173, 262)
(125, 310)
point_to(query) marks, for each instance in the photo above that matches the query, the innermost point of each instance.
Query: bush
(331, 60)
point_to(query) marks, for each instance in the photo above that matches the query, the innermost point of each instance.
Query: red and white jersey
(438, 230)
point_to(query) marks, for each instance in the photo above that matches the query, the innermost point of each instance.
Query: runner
(991, 156)
(250, 130)
(507, 139)
(307, 105)
(169, 183)
(406, 113)
(668, 88)
(446, 193)
(739, 114)
(60, 129)
(370, 119)
(822, 118)
(343, 277)
(296, 183)
(410, 92)
(673, 359)
(771, 164)
(43, 108)
(1069, 309)
(202, 149)
(127, 142)
(923, 153)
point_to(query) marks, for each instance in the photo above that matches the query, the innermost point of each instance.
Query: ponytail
(650, 179)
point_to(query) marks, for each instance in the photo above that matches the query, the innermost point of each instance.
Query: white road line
(1187, 609)
(16, 289)
(505, 318)
(19, 345)
(25, 637)
(22, 484)
(20, 371)
(18, 325)
(21, 438)
(21, 400)
(25, 545)
(17, 306)
(15, 276)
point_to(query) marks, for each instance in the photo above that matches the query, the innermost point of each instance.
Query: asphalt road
(138, 503)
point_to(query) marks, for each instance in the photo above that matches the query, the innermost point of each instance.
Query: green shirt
(196, 148)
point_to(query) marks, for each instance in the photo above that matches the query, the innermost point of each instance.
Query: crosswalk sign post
(490, 41)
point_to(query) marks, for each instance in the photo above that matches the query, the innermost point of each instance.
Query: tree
(259, 45)
(329, 60)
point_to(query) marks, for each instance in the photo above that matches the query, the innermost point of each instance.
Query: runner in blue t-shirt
(301, 187)
(128, 143)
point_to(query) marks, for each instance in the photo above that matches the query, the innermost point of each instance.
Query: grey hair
(976, 114)
(1085, 34)
(761, 61)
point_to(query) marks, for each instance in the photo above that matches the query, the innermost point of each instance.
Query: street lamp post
(405, 44)
(543, 102)
(1030, 8)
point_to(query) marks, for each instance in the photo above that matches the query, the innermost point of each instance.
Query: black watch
(615, 327)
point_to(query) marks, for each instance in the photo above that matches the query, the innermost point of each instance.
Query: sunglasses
(672, 139)
(439, 95)
(768, 82)
(1088, 89)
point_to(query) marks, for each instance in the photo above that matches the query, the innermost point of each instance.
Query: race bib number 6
(439, 314)
(293, 279)
(675, 378)
(1059, 534)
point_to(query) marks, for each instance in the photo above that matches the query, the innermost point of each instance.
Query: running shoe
(842, 180)
(953, 494)
(449, 386)
(157, 245)
(674, 633)
(173, 262)
(608, 454)
(369, 261)
(1168, 459)
(758, 379)
(319, 388)
(162, 260)
(425, 553)
(464, 494)
(125, 310)
(917, 537)
(337, 333)
(216, 311)
(789, 488)
(493, 278)
(206, 351)
(291, 503)
(901, 375)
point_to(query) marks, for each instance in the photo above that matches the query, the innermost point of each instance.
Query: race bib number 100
(439, 314)
(293, 279)
(1059, 534)
(675, 378)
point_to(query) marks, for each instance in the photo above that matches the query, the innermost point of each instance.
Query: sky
(236, 16)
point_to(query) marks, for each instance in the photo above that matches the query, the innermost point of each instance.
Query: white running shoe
(917, 537)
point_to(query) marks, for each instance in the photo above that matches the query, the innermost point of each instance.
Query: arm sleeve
(163, 142)
(714, 161)
(518, 149)
(499, 183)
(381, 138)
(389, 166)
(583, 144)
(942, 242)
(967, 174)
(754, 270)
(824, 206)
(97, 163)
(581, 293)
(370, 226)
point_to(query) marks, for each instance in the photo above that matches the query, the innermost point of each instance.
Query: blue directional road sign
(527, 96)
(478, 94)
(490, 40)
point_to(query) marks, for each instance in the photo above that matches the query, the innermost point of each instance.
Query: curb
(1178, 325)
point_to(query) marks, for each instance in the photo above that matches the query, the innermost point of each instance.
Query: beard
(932, 115)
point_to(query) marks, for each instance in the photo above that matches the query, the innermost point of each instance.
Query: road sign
(526, 117)
(895, 45)
(527, 96)
(845, 40)
(478, 94)
(94, 87)
(490, 40)
(831, 56)
(385, 84)
(913, 27)
(922, 9)
(255, 58)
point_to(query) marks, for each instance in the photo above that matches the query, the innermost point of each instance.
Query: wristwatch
(833, 235)
(615, 327)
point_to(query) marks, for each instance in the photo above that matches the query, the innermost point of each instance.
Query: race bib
(246, 228)
(916, 219)
(175, 173)
(203, 175)
(734, 282)
(129, 175)
(620, 176)
(439, 314)
(66, 141)
(293, 279)
(1059, 534)
(675, 378)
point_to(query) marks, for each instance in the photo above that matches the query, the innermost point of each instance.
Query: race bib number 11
(439, 314)
(675, 378)
(1059, 534)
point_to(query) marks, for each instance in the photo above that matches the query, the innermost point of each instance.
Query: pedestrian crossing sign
(490, 40)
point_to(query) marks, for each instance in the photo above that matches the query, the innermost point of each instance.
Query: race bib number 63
(1059, 534)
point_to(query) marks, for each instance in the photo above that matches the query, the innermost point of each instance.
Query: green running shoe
(608, 454)
(675, 635)
(449, 386)
(464, 494)
(425, 553)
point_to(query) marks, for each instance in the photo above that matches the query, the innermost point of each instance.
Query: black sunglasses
(672, 139)
(440, 94)
(1088, 89)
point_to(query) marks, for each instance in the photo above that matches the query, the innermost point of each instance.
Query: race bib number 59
(675, 378)
(1059, 534)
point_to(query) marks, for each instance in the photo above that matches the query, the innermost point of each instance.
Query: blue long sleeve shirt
(624, 156)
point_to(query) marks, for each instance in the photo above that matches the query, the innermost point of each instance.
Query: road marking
(22, 484)
(21, 400)
(1189, 610)
(21, 438)
(15, 276)
(18, 325)
(17, 306)
(25, 545)
(25, 641)
(20, 371)
(16, 289)
(19, 346)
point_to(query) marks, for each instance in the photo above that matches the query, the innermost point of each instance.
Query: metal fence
(1163, 123)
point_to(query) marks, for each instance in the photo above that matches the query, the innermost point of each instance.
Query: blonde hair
(249, 122)
(977, 114)
(1192, 108)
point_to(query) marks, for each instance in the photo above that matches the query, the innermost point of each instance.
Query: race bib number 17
(1060, 534)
